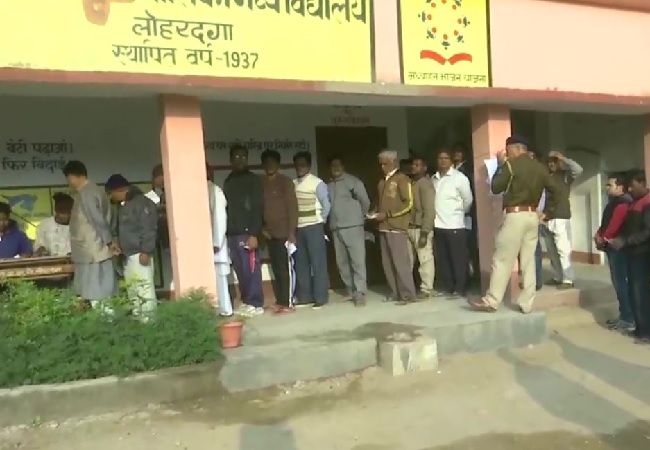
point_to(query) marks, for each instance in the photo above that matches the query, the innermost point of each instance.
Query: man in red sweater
(634, 239)
(610, 227)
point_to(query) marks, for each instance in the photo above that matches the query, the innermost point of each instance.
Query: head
(157, 177)
(302, 163)
(418, 166)
(75, 174)
(459, 154)
(271, 161)
(239, 157)
(117, 187)
(387, 161)
(445, 159)
(616, 185)
(62, 207)
(553, 164)
(337, 168)
(638, 187)
(405, 166)
(516, 146)
(5, 216)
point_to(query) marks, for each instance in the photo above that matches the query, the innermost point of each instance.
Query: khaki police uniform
(521, 180)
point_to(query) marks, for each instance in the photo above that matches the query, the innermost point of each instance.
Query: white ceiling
(339, 94)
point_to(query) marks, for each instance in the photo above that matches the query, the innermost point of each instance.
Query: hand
(144, 258)
(598, 240)
(423, 241)
(41, 251)
(216, 250)
(252, 243)
(616, 243)
(115, 249)
(541, 217)
(266, 235)
(291, 238)
(556, 154)
(501, 156)
(380, 217)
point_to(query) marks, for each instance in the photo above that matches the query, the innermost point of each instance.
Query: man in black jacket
(244, 194)
(635, 240)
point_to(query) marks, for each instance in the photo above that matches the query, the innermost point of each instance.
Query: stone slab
(257, 367)
(413, 354)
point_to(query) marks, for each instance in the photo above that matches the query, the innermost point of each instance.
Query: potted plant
(230, 329)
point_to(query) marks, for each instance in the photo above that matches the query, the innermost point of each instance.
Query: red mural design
(446, 34)
(97, 11)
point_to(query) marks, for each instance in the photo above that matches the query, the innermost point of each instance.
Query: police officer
(521, 180)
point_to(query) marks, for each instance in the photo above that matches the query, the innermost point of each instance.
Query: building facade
(126, 84)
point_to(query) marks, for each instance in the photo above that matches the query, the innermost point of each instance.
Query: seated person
(53, 233)
(13, 241)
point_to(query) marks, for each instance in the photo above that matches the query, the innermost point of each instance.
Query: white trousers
(140, 285)
(557, 236)
(223, 292)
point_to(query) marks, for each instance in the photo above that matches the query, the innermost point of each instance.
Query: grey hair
(388, 154)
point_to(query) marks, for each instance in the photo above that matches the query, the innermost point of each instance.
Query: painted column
(490, 128)
(183, 158)
(646, 145)
(387, 42)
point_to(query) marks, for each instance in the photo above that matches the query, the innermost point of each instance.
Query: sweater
(280, 206)
(312, 208)
(243, 191)
(395, 201)
(350, 202)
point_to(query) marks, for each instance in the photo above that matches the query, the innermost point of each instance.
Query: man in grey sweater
(350, 204)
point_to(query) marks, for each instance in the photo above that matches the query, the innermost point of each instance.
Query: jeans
(618, 269)
(638, 278)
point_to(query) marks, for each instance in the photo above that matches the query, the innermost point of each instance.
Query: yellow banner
(321, 40)
(445, 42)
(28, 206)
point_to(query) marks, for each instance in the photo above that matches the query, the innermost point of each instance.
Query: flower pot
(231, 334)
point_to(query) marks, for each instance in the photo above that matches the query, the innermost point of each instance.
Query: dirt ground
(584, 389)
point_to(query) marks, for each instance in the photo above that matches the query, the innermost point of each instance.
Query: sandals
(482, 305)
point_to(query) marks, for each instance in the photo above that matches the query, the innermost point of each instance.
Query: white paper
(368, 236)
(491, 165)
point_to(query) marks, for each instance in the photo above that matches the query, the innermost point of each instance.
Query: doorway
(359, 147)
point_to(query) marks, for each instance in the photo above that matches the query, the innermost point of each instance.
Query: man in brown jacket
(421, 226)
(393, 217)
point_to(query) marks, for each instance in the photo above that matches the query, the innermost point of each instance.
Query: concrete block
(258, 367)
(401, 356)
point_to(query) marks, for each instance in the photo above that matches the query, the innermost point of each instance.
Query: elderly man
(453, 201)
(393, 215)
(92, 243)
(557, 229)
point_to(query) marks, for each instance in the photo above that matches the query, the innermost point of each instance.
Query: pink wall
(552, 46)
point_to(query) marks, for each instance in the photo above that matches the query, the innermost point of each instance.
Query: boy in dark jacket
(137, 229)
(635, 241)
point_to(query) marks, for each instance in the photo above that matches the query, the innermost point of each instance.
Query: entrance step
(340, 338)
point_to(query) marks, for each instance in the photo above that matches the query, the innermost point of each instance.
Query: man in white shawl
(217, 201)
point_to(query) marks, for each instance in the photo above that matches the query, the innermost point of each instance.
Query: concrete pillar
(183, 158)
(646, 144)
(490, 128)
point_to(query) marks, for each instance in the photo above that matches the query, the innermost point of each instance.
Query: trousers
(424, 256)
(517, 235)
(397, 265)
(311, 265)
(248, 268)
(557, 236)
(350, 250)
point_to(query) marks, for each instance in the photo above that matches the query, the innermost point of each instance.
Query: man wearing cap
(137, 227)
(163, 252)
(521, 180)
(557, 229)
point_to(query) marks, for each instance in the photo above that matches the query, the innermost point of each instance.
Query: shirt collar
(449, 173)
(390, 174)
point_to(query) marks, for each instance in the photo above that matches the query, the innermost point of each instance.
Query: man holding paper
(521, 180)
